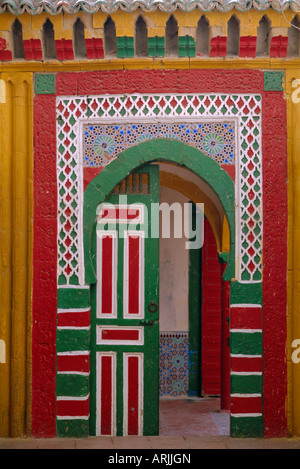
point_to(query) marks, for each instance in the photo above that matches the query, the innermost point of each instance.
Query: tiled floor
(192, 417)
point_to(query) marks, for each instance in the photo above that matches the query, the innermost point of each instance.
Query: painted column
(246, 359)
(274, 255)
(293, 103)
(73, 362)
(6, 253)
(44, 308)
(16, 245)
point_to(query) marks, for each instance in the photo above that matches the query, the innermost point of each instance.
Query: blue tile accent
(174, 364)
(103, 142)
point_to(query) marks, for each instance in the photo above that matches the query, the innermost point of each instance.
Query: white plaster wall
(174, 273)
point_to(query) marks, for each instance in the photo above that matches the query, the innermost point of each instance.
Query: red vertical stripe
(274, 292)
(107, 273)
(225, 349)
(44, 295)
(211, 314)
(133, 274)
(133, 396)
(106, 396)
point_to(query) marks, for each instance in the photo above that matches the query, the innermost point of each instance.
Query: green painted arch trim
(147, 152)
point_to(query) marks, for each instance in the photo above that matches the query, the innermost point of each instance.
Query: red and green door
(125, 329)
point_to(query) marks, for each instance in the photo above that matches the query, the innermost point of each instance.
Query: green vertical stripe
(156, 46)
(195, 272)
(125, 47)
(186, 46)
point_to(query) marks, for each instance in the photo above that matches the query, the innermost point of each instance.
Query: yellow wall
(16, 170)
(293, 274)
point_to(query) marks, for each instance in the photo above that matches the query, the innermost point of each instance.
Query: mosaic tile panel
(173, 364)
(74, 114)
(102, 143)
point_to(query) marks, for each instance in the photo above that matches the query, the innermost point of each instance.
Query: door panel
(107, 266)
(133, 367)
(133, 276)
(106, 393)
(125, 331)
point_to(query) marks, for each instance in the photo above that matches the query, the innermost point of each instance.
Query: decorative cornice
(53, 7)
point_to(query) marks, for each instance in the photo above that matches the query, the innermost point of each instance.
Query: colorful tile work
(173, 116)
(173, 362)
(101, 143)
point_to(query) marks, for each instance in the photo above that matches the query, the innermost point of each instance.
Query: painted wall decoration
(202, 35)
(93, 102)
(101, 143)
(81, 144)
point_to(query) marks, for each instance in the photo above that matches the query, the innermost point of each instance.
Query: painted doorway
(99, 186)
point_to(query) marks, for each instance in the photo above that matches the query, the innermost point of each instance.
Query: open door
(125, 329)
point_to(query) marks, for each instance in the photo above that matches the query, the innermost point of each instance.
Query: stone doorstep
(151, 442)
